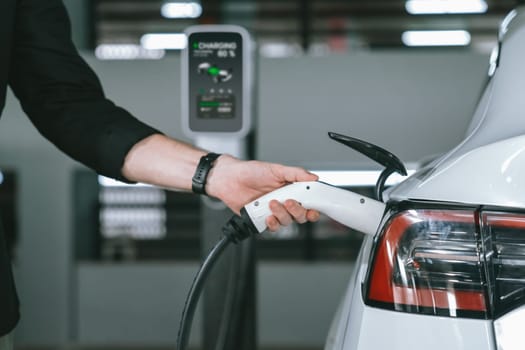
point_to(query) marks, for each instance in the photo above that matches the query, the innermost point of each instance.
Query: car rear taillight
(504, 246)
(448, 262)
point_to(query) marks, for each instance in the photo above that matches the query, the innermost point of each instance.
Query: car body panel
(347, 309)
(509, 330)
(488, 175)
(383, 329)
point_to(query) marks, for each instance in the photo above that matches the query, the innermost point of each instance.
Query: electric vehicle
(446, 268)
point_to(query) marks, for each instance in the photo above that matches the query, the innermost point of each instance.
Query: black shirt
(64, 100)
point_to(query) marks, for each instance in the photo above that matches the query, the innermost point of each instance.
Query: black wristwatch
(198, 182)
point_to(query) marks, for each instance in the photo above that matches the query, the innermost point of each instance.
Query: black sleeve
(62, 96)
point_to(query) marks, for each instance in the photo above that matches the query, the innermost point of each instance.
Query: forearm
(162, 161)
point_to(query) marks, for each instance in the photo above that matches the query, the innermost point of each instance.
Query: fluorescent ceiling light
(126, 52)
(181, 10)
(109, 182)
(436, 38)
(164, 41)
(358, 178)
(506, 22)
(423, 7)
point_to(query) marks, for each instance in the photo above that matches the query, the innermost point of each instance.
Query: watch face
(215, 81)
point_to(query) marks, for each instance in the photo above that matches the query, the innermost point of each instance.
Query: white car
(446, 269)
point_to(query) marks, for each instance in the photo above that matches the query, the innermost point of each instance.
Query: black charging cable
(230, 300)
(235, 230)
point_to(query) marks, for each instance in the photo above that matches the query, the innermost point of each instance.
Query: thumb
(295, 174)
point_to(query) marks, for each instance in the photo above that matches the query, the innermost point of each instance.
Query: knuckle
(294, 208)
(297, 211)
(312, 215)
(271, 222)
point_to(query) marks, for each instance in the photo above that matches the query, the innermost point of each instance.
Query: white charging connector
(348, 208)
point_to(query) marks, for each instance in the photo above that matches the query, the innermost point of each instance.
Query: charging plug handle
(348, 208)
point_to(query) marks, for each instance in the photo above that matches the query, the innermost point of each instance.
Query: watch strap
(198, 182)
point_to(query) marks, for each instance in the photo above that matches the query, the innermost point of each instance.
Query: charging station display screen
(215, 81)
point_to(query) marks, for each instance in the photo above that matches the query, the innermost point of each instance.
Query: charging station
(217, 104)
(217, 79)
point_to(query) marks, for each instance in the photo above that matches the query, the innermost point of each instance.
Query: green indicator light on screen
(213, 71)
(195, 45)
(209, 104)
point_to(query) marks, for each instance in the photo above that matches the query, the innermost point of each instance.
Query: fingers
(281, 214)
(290, 211)
(296, 211)
(312, 215)
(272, 223)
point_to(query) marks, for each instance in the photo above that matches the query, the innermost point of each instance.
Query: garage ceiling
(314, 26)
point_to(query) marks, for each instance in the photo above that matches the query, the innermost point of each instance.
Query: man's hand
(238, 182)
